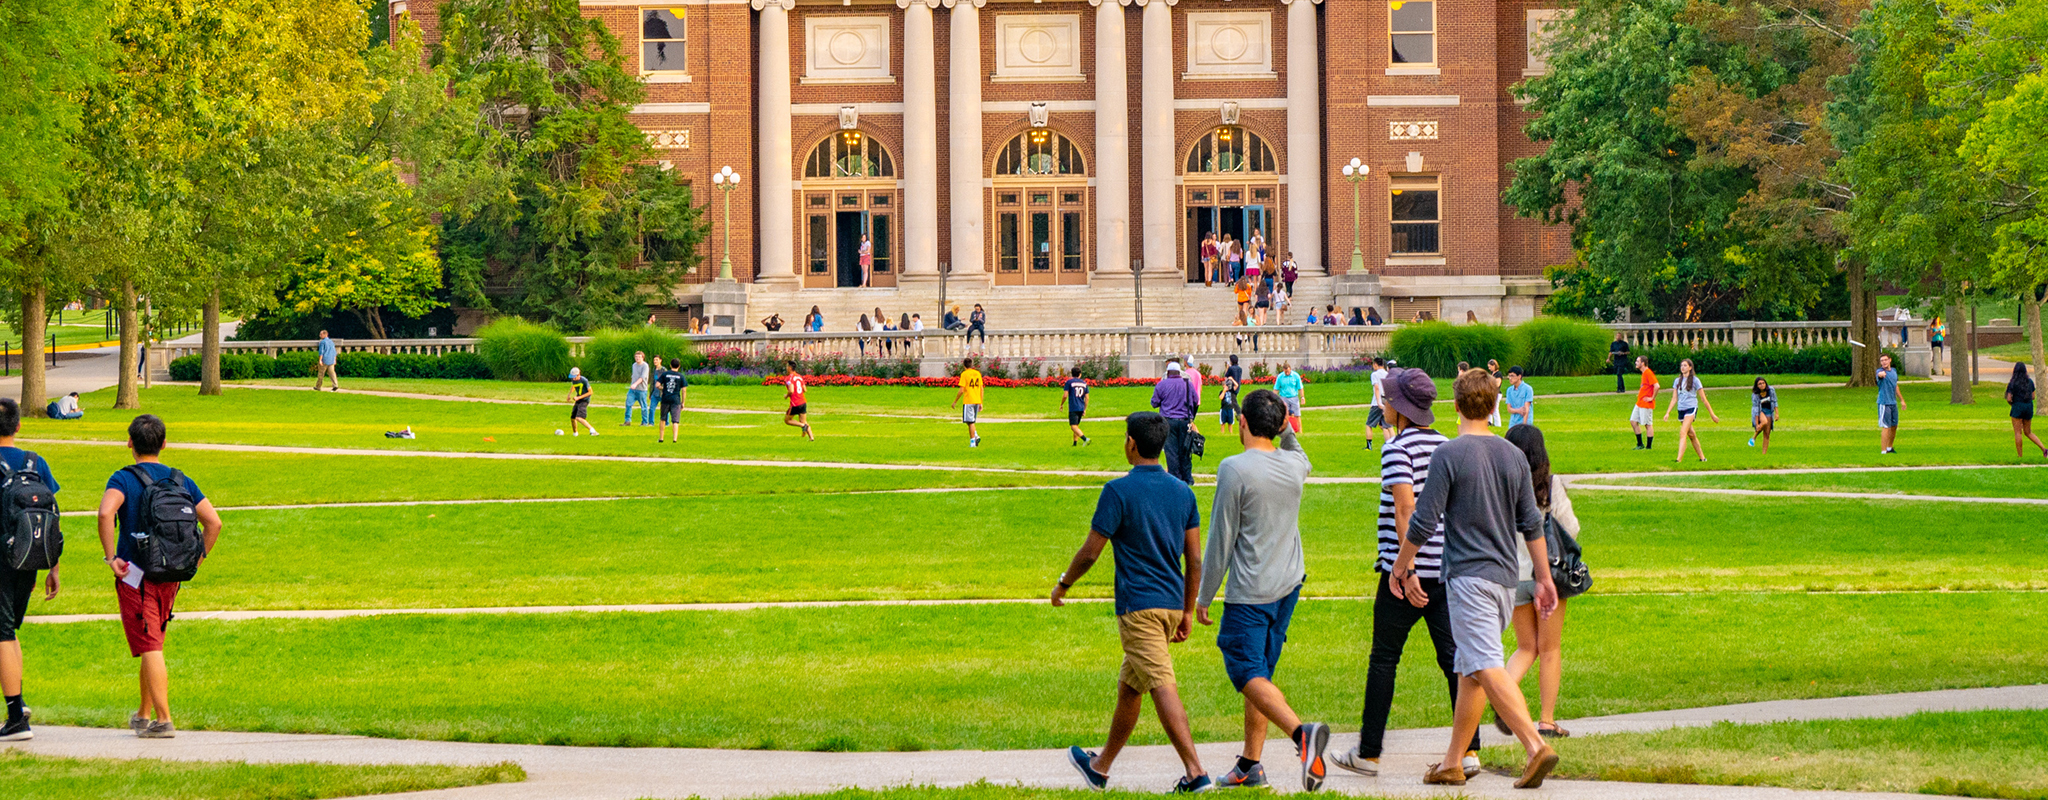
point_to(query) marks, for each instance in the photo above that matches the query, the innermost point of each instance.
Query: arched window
(1230, 148)
(1039, 152)
(849, 154)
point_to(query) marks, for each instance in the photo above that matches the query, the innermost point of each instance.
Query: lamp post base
(725, 306)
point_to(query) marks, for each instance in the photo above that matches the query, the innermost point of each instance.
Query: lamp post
(1356, 172)
(726, 180)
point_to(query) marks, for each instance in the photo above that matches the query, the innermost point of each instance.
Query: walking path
(597, 773)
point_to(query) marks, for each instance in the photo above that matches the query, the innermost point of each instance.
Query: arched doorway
(1230, 186)
(849, 195)
(1040, 197)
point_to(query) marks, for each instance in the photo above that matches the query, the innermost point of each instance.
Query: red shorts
(144, 614)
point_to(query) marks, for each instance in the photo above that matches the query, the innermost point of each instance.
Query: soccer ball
(558, 431)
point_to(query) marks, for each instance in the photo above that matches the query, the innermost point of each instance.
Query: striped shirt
(1405, 461)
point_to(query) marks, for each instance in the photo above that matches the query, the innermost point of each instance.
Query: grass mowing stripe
(1969, 753)
(29, 776)
(972, 677)
(2002, 481)
(1897, 498)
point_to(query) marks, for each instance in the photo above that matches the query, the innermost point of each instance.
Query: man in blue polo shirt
(324, 370)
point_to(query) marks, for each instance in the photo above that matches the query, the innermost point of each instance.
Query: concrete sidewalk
(593, 773)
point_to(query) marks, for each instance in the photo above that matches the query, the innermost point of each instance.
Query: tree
(570, 242)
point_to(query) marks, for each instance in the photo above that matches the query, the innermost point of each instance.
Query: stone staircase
(1106, 304)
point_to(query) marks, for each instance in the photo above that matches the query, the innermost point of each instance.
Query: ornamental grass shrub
(517, 350)
(609, 355)
(1436, 347)
(1561, 346)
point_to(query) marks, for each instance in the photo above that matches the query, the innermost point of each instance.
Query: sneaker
(1194, 785)
(974, 442)
(1085, 441)
(1243, 779)
(1351, 760)
(1313, 738)
(17, 731)
(593, 433)
(158, 730)
(1752, 441)
(1470, 763)
(1081, 759)
(137, 722)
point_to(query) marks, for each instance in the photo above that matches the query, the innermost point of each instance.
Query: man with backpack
(156, 528)
(28, 514)
(1178, 401)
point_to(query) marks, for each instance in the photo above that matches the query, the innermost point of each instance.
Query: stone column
(964, 120)
(777, 194)
(1304, 140)
(1112, 141)
(1156, 125)
(920, 142)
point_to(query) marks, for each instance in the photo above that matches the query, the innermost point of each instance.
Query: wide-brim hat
(1410, 392)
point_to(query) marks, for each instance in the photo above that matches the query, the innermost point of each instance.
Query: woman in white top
(1258, 248)
(1539, 640)
(1688, 396)
(1499, 399)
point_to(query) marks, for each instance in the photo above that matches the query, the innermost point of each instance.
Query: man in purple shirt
(1178, 401)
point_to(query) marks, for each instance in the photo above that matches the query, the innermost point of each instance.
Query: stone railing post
(1138, 359)
(1744, 335)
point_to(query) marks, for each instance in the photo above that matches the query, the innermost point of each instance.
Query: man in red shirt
(799, 413)
(1646, 407)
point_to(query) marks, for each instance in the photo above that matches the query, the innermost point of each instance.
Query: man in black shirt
(1618, 353)
(674, 387)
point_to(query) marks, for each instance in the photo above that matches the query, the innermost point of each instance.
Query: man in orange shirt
(1646, 407)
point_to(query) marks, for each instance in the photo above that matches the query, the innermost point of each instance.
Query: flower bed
(998, 383)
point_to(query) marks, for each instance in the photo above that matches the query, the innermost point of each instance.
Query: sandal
(1552, 731)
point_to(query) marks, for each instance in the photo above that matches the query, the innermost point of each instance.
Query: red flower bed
(949, 382)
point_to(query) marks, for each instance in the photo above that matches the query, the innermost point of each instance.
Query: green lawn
(1945, 482)
(76, 327)
(1972, 754)
(971, 677)
(28, 776)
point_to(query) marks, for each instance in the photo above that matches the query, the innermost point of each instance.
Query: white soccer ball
(558, 431)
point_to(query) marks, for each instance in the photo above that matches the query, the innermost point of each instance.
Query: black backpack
(168, 545)
(30, 538)
(1567, 562)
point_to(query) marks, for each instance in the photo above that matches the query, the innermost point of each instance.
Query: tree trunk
(127, 395)
(209, 347)
(2030, 314)
(1959, 356)
(1862, 328)
(34, 328)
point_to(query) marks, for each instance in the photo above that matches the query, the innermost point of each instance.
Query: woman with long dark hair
(1687, 396)
(2020, 393)
(1539, 640)
(1763, 413)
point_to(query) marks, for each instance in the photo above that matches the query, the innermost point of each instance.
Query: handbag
(1567, 564)
(1197, 443)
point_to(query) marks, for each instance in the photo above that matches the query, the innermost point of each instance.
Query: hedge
(1561, 346)
(248, 366)
(517, 350)
(1437, 347)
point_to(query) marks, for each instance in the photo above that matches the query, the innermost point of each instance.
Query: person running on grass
(145, 604)
(1152, 521)
(1645, 411)
(1255, 542)
(1687, 396)
(1763, 413)
(17, 586)
(1480, 491)
(799, 413)
(1075, 393)
(1404, 468)
(579, 403)
(1889, 403)
(968, 400)
(673, 389)
(2019, 392)
(1539, 640)
(1376, 414)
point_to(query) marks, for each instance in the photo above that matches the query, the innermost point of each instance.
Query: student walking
(1255, 544)
(1763, 413)
(1520, 399)
(323, 370)
(147, 499)
(1178, 403)
(968, 400)
(1289, 272)
(636, 392)
(1288, 385)
(1539, 639)
(23, 472)
(1500, 398)
(1687, 396)
(1226, 415)
(2019, 392)
(1404, 470)
(1376, 412)
(1193, 372)
(799, 413)
(1152, 521)
(674, 390)
(579, 403)
(1617, 352)
(1937, 334)
(1645, 411)
(1889, 403)
(1074, 394)
(1209, 267)
(1479, 489)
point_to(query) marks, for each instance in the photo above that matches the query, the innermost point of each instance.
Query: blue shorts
(1887, 416)
(1251, 636)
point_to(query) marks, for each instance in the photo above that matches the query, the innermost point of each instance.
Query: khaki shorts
(1146, 634)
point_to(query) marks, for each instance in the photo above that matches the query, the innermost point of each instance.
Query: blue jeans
(1251, 637)
(646, 408)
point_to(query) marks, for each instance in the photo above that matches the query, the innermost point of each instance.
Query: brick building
(1050, 154)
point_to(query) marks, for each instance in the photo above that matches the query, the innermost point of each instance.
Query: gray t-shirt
(1254, 529)
(639, 375)
(1479, 488)
(1686, 391)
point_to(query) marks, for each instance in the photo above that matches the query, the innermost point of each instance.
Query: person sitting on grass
(1480, 491)
(1151, 519)
(17, 586)
(799, 413)
(1075, 393)
(1763, 413)
(1255, 541)
(579, 403)
(968, 400)
(146, 605)
(65, 407)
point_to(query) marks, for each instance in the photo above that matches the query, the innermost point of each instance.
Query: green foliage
(185, 368)
(50, 50)
(517, 350)
(296, 364)
(1664, 358)
(1097, 368)
(1437, 347)
(1561, 346)
(1769, 358)
(1719, 359)
(609, 355)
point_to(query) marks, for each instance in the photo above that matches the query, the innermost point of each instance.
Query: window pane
(1415, 237)
(818, 249)
(1041, 242)
(1006, 248)
(1415, 204)
(1414, 48)
(881, 241)
(661, 57)
(1070, 241)
(1411, 16)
